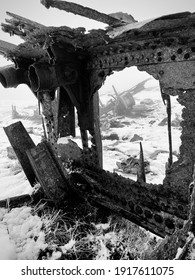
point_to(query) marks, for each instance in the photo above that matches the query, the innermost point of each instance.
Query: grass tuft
(87, 238)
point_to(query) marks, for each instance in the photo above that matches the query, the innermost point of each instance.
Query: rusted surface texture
(65, 67)
(21, 142)
(173, 75)
(5, 47)
(19, 25)
(80, 10)
(96, 133)
(49, 173)
(150, 206)
(157, 34)
(178, 245)
(158, 44)
(180, 175)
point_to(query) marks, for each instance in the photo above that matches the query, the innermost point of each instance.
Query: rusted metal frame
(119, 194)
(117, 61)
(95, 132)
(84, 139)
(181, 239)
(79, 95)
(74, 92)
(139, 39)
(167, 101)
(58, 111)
(157, 26)
(88, 117)
(170, 161)
(137, 202)
(92, 123)
(80, 10)
(141, 203)
(21, 142)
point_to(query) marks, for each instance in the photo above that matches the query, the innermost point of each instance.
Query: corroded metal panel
(48, 172)
(21, 142)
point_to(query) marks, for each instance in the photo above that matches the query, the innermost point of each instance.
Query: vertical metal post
(97, 132)
(167, 101)
(141, 176)
(168, 104)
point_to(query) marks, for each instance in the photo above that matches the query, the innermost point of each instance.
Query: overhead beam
(80, 10)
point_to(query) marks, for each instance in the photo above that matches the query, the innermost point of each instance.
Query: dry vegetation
(92, 235)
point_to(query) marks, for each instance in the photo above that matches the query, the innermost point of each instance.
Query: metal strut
(141, 176)
(80, 10)
(167, 101)
(170, 160)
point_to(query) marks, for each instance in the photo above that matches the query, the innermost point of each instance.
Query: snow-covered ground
(21, 235)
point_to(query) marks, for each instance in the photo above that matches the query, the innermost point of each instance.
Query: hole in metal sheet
(179, 51)
(158, 218)
(173, 57)
(187, 55)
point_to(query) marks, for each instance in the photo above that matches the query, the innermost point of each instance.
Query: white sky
(139, 9)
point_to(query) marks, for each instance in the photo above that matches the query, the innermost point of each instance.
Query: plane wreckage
(65, 68)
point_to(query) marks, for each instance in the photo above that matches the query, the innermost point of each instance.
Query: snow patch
(25, 238)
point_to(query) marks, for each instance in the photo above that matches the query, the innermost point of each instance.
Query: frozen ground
(21, 236)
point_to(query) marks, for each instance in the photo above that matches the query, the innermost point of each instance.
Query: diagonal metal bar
(80, 10)
(23, 20)
(21, 142)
